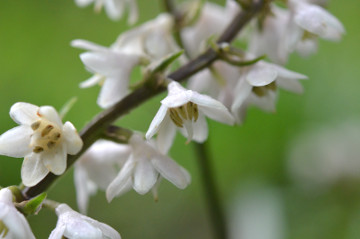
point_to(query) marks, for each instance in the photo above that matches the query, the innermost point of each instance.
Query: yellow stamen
(46, 130)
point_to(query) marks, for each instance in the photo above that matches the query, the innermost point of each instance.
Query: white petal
(176, 100)
(157, 122)
(144, 176)
(285, 73)
(72, 139)
(55, 160)
(58, 232)
(120, 182)
(113, 90)
(133, 14)
(87, 45)
(114, 9)
(94, 80)
(18, 226)
(82, 190)
(242, 92)
(166, 135)
(106, 230)
(200, 129)
(33, 170)
(81, 229)
(49, 113)
(261, 74)
(15, 142)
(170, 170)
(83, 3)
(290, 85)
(212, 108)
(24, 113)
(5, 197)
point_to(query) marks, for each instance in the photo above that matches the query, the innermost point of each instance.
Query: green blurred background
(39, 66)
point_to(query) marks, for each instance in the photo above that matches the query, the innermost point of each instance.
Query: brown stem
(95, 128)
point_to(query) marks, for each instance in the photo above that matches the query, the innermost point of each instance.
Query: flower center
(185, 112)
(45, 137)
(263, 90)
(3, 230)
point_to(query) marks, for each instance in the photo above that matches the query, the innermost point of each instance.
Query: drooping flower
(258, 86)
(111, 68)
(41, 139)
(97, 168)
(143, 169)
(186, 110)
(74, 225)
(13, 224)
(113, 8)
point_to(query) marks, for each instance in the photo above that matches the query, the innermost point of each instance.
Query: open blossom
(13, 224)
(74, 225)
(41, 139)
(258, 85)
(97, 168)
(144, 168)
(186, 110)
(113, 8)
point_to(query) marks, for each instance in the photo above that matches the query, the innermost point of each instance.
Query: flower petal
(242, 92)
(166, 135)
(24, 113)
(5, 197)
(87, 45)
(200, 129)
(120, 182)
(157, 122)
(58, 232)
(55, 160)
(170, 170)
(113, 90)
(212, 108)
(84, 188)
(144, 176)
(33, 170)
(15, 142)
(17, 225)
(50, 114)
(261, 74)
(177, 95)
(94, 80)
(72, 139)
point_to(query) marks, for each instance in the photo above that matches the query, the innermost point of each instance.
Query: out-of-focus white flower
(42, 139)
(308, 22)
(97, 168)
(321, 157)
(113, 8)
(269, 40)
(74, 225)
(258, 85)
(143, 169)
(111, 67)
(257, 213)
(153, 39)
(212, 22)
(13, 224)
(186, 110)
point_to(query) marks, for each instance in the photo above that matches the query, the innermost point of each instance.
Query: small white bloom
(258, 85)
(13, 224)
(186, 110)
(74, 225)
(308, 22)
(113, 8)
(97, 169)
(42, 139)
(111, 67)
(143, 169)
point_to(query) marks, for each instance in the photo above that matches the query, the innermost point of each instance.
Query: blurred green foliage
(39, 66)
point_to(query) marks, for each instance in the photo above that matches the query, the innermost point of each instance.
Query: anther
(259, 91)
(271, 86)
(195, 112)
(56, 136)
(46, 130)
(189, 110)
(51, 144)
(36, 125)
(176, 118)
(38, 149)
(182, 111)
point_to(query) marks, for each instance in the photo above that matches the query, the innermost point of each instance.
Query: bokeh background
(277, 177)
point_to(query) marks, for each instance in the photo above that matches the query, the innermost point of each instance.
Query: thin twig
(94, 129)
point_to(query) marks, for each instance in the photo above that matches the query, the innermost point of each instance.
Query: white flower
(310, 21)
(42, 139)
(212, 22)
(258, 85)
(143, 169)
(153, 39)
(111, 67)
(97, 169)
(113, 8)
(74, 225)
(13, 224)
(186, 110)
